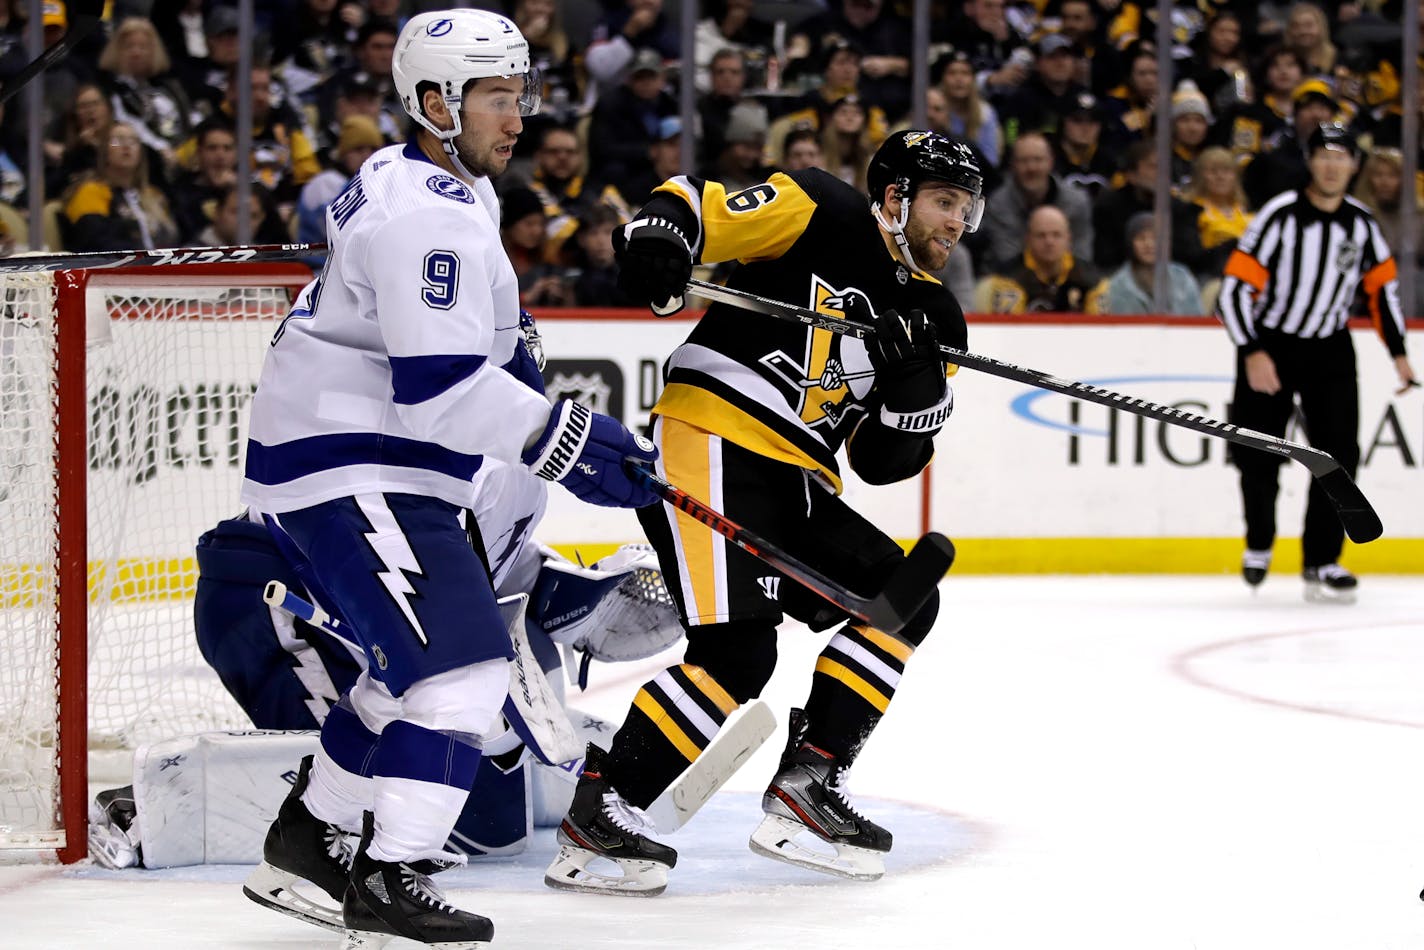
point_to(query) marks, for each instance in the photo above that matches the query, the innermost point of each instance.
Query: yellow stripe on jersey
(710, 687)
(894, 646)
(666, 725)
(759, 223)
(853, 681)
(712, 413)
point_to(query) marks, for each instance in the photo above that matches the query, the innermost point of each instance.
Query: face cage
(531, 97)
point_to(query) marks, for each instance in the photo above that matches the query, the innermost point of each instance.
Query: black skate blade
(912, 584)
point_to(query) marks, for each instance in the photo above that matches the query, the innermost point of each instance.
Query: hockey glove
(654, 263)
(915, 395)
(584, 451)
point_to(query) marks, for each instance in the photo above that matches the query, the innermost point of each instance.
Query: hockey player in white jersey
(382, 393)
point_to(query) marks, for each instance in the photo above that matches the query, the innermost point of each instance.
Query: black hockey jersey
(779, 389)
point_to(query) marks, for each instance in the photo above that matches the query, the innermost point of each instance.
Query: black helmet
(1332, 135)
(908, 158)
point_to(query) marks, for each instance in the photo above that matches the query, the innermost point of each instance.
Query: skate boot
(1330, 584)
(600, 824)
(1254, 565)
(301, 846)
(389, 899)
(809, 818)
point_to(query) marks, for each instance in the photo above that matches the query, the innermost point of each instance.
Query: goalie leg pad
(533, 707)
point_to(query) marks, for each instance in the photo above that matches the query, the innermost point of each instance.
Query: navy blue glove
(584, 451)
(654, 263)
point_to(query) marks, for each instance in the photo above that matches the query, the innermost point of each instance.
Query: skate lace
(626, 817)
(840, 785)
(420, 887)
(338, 846)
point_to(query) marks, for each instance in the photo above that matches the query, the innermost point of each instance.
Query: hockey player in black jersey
(753, 417)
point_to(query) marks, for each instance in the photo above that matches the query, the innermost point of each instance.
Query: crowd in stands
(1057, 97)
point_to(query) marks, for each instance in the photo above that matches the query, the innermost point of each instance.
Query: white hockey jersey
(386, 376)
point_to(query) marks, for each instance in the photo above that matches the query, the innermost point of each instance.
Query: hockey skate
(1330, 584)
(389, 899)
(1254, 565)
(301, 846)
(600, 829)
(809, 819)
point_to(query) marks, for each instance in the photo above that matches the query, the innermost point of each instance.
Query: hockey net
(123, 398)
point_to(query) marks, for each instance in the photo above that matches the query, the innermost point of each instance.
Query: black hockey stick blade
(909, 587)
(912, 583)
(1359, 519)
(84, 16)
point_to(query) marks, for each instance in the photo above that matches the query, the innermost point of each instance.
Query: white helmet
(451, 47)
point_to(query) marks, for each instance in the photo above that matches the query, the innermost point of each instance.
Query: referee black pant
(1321, 372)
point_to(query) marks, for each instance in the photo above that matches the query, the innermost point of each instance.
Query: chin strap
(896, 229)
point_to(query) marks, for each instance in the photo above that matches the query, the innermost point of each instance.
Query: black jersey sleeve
(882, 456)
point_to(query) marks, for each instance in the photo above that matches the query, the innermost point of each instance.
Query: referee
(1284, 299)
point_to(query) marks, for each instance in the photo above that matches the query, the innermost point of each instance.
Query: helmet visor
(521, 94)
(949, 198)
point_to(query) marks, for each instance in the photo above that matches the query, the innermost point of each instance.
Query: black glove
(654, 262)
(909, 373)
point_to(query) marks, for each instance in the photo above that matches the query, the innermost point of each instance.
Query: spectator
(1282, 166)
(593, 269)
(846, 142)
(12, 178)
(1046, 278)
(1191, 121)
(1220, 55)
(550, 51)
(196, 193)
(357, 94)
(626, 119)
(1048, 93)
(1216, 189)
(1130, 290)
(992, 43)
(665, 154)
(143, 92)
(881, 36)
(1079, 22)
(840, 77)
(76, 138)
(359, 139)
(311, 47)
(1308, 35)
(563, 188)
(206, 77)
(1381, 189)
(1031, 183)
(521, 227)
(264, 224)
(623, 33)
(969, 117)
(371, 57)
(1080, 160)
(1249, 125)
(731, 25)
(802, 149)
(1132, 104)
(740, 164)
(727, 86)
(118, 208)
(1138, 193)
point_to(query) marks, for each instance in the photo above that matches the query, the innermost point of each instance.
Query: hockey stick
(84, 16)
(100, 260)
(901, 598)
(1356, 514)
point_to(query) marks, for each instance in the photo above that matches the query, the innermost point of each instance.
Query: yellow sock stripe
(710, 687)
(666, 725)
(894, 646)
(853, 681)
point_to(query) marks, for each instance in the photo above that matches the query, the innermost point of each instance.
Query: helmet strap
(447, 138)
(896, 228)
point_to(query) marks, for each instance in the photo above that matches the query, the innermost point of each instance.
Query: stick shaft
(101, 260)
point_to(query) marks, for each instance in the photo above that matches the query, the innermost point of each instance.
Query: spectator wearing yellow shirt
(118, 208)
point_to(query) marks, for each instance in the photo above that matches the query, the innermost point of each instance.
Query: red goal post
(123, 398)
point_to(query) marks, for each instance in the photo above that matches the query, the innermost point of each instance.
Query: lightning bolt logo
(389, 544)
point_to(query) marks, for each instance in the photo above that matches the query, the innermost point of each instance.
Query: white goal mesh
(172, 359)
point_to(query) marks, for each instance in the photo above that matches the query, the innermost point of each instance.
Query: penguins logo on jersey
(833, 367)
(447, 186)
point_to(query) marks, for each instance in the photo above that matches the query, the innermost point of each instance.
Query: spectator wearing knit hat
(1130, 289)
(1282, 166)
(1081, 158)
(1191, 123)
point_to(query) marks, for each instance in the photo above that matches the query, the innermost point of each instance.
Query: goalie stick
(102, 260)
(901, 598)
(1356, 514)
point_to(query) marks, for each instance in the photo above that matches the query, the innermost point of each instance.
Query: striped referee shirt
(1296, 268)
